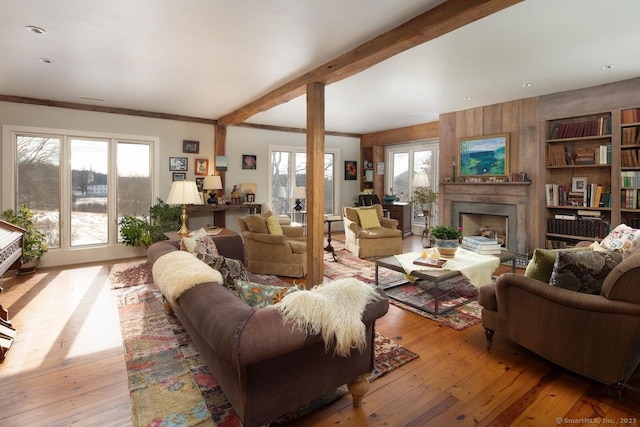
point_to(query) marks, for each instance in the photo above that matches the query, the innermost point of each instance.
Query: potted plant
(447, 239)
(137, 231)
(35, 241)
(422, 198)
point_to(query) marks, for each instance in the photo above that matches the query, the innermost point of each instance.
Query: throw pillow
(230, 269)
(258, 295)
(273, 225)
(256, 223)
(540, 266)
(583, 271)
(204, 248)
(368, 218)
(623, 239)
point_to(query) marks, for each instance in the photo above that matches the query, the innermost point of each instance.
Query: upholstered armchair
(273, 248)
(368, 233)
(595, 335)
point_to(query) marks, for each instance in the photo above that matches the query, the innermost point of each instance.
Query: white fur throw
(333, 309)
(179, 271)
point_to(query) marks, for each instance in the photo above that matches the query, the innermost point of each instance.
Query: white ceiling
(206, 58)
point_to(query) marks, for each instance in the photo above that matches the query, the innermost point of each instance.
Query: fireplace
(483, 201)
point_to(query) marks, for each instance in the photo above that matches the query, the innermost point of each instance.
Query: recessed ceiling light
(46, 60)
(34, 29)
(526, 85)
(607, 67)
(467, 98)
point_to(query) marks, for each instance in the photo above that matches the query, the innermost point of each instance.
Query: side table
(330, 219)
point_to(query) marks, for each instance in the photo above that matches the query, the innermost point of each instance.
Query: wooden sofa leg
(488, 333)
(167, 308)
(358, 389)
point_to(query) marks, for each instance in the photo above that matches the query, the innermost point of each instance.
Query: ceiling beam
(440, 20)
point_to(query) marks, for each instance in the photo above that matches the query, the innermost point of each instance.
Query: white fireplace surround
(504, 199)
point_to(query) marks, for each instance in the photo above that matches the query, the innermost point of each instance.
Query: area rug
(410, 296)
(131, 273)
(169, 382)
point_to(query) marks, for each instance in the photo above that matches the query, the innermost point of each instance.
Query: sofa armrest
(293, 231)
(351, 225)
(388, 222)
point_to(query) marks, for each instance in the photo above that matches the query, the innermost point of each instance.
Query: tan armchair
(597, 336)
(384, 240)
(280, 255)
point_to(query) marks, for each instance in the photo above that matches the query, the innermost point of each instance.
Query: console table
(400, 211)
(219, 211)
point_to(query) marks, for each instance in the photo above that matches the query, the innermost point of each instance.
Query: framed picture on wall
(202, 166)
(178, 164)
(179, 176)
(200, 184)
(249, 161)
(350, 170)
(484, 156)
(190, 146)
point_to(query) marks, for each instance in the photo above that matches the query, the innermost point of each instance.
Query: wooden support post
(315, 184)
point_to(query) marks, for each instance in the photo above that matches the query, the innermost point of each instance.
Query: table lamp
(184, 193)
(298, 193)
(212, 182)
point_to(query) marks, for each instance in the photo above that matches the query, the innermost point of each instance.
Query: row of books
(629, 158)
(629, 198)
(592, 195)
(592, 227)
(556, 244)
(633, 222)
(630, 136)
(596, 127)
(557, 155)
(630, 178)
(632, 115)
(481, 244)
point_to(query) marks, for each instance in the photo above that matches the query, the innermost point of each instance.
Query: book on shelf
(631, 115)
(481, 250)
(583, 212)
(570, 216)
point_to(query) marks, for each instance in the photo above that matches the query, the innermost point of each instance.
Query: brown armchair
(384, 240)
(597, 336)
(280, 255)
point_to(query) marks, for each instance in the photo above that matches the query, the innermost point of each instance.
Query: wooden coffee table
(433, 276)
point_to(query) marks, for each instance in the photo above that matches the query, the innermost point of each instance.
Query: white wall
(170, 134)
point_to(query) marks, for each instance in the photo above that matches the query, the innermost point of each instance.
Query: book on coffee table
(430, 262)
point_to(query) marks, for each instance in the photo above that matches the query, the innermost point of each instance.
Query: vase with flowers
(447, 239)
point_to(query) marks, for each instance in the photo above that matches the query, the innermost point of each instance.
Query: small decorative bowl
(389, 199)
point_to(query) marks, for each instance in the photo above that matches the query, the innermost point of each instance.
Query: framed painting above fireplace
(484, 156)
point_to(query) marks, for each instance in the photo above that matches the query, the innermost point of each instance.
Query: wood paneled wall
(517, 118)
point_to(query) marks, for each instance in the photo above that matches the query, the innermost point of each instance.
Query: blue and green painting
(483, 157)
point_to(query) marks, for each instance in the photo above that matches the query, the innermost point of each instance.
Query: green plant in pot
(35, 241)
(137, 231)
(447, 239)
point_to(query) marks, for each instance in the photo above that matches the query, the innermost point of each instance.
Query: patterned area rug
(132, 273)
(410, 296)
(169, 382)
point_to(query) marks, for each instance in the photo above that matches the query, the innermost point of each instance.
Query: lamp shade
(299, 193)
(421, 180)
(184, 193)
(212, 182)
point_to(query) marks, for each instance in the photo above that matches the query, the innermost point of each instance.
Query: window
(289, 170)
(79, 187)
(407, 160)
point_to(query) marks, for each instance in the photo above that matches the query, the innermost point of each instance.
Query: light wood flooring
(66, 368)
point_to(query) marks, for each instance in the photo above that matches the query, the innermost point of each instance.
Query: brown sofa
(265, 367)
(385, 240)
(279, 255)
(597, 336)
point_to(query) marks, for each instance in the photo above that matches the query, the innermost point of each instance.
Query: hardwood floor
(66, 368)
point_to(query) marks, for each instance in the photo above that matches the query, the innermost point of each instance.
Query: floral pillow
(204, 248)
(231, 270)
(622, 239)
(258, 295)
(583, 271)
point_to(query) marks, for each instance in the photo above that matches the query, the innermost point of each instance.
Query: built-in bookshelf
(630, 167)
(578, 189)
(366, 170)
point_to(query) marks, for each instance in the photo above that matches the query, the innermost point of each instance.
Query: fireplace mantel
(500, 193)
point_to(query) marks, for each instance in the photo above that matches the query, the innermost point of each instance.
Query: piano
(11, 242)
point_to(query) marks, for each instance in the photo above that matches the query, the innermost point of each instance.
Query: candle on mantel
(454, 171)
